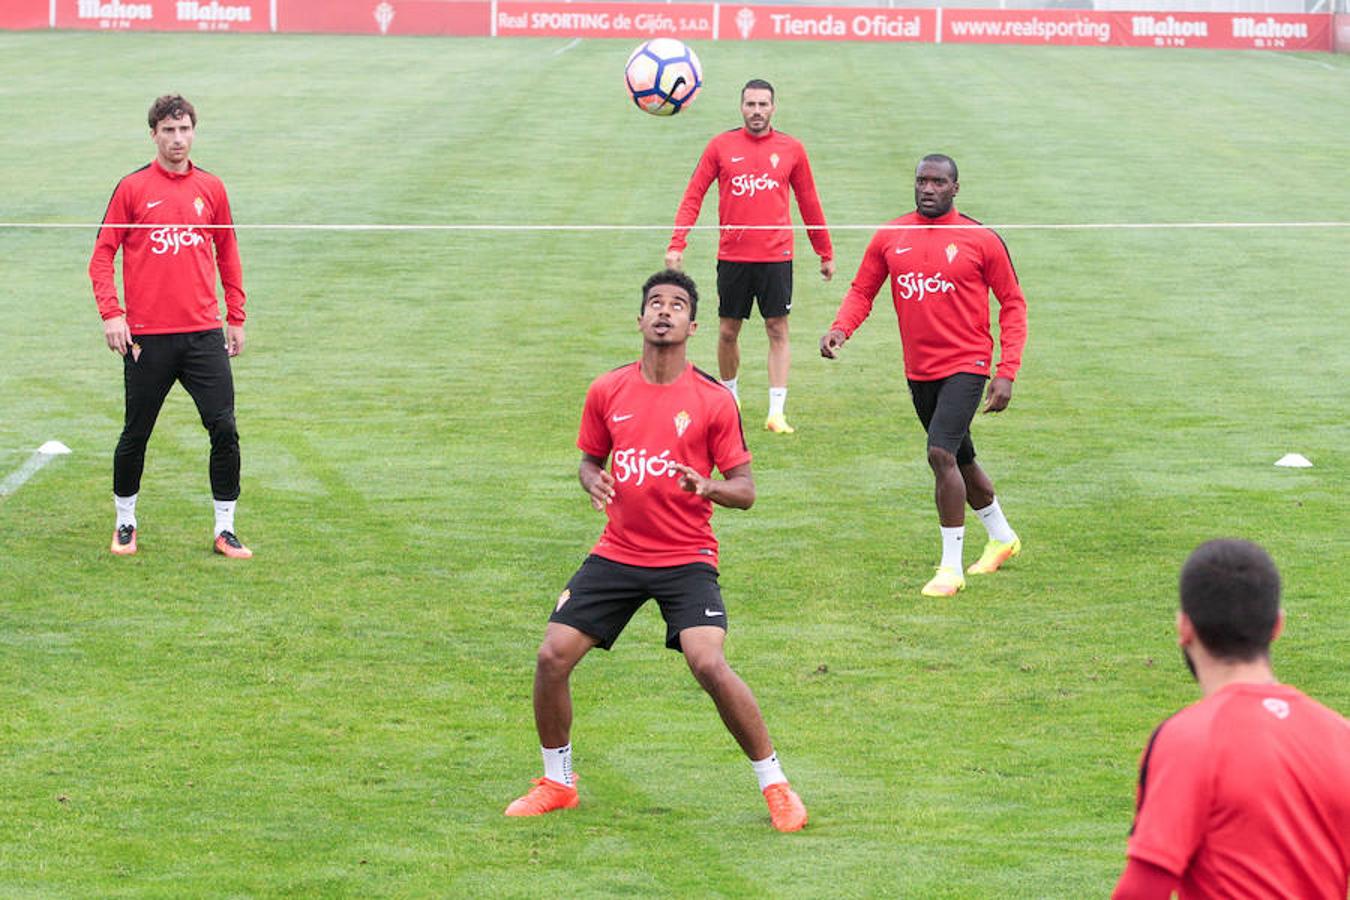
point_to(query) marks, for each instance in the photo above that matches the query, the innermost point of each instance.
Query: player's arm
(813, 216)
(595, 481)
(690, 204)
(857, 303)
(1001, 277)
(116, 331)
(1145, 881)
(736, 488)
(231, 274)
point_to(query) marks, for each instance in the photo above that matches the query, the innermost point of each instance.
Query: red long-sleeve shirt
(753, 175)
(168, 272)
(940, 283)
(1247, 794)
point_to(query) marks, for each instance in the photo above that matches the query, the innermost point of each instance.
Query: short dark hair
(171, 106)
(1230, 590)
(942, 158)
(757, 84)
(677, 278)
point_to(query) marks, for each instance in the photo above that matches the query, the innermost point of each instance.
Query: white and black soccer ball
(663, 76)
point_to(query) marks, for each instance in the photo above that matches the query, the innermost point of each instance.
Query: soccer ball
(663, 76)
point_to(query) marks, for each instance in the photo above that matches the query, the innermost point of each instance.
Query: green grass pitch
(348, 713)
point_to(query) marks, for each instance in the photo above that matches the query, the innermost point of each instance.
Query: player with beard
(170, 330)
(941, 266)
(755, 167)
(663, 425)
(1247, 792)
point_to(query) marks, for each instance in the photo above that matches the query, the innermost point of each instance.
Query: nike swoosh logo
(713, 613)
(151, 204)
(899, 250)
(737, 158)
(618, 418)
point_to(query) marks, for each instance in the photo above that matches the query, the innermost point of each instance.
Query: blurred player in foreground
(664, 426)
(170, 330)
(940, 282)
(755, 167)
(1247, 792)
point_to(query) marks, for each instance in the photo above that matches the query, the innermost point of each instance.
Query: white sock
(952, 541)
(730, 384)
(126, 510)
(768, 771)
(996, 524)
(558, 764)
(777, 400)
(225, 515)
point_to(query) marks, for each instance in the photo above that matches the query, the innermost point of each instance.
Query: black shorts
(739, 284)
(946, 409)
(603, 595)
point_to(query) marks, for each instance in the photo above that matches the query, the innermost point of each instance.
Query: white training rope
(1014, 226)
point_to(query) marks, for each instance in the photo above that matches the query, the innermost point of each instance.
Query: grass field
(348, 713)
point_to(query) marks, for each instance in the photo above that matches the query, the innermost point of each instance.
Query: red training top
(694, 421)
(753, 176)
(940, 282)
(1246, 794)
(168, 273)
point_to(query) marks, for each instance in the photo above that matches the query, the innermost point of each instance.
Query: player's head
(935, 185)
(757, 105)
(1230, 594)
(173, 124)
(171, 106)
(669, 305)
(678, 279)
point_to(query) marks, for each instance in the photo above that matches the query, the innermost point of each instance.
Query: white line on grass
(1011, 226)
(43, 455)
(563, 49)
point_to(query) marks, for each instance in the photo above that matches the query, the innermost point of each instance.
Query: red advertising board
(165, 15)
(1215, 31)
(696, 21)
(1027, 26)
(1342, 37)
(1224, 31)
(825, 23)
(433, 17)
(521, 18)
(24, 14)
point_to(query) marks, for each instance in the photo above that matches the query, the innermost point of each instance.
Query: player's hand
(827, 269)
(601, 489)
(691, 481)
(998, 396)
(117, 333)
(830, 343)
(675, 259)
(234, 339)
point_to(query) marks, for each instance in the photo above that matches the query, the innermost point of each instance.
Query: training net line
(507, 228)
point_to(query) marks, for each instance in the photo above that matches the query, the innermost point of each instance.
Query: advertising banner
(1224, 31)
(1341, 25)
(825, 23)
(1028, 26)
(697, 22)
(430, 17)
(520, 18)
(24, 14)
(165, 15)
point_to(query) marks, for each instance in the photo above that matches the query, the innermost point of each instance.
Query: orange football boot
(228, 545)
(786, 810)
(124, 540)
(546, 796)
